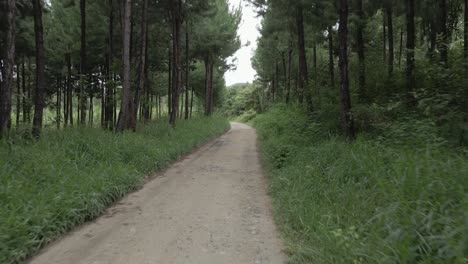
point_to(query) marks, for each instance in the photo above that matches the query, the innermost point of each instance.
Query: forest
(360, 107)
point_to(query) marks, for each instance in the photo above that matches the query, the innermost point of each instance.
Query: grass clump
(375, 200)
(71, 176)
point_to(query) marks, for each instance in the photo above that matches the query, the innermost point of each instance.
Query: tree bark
(177, 78)
(391, 49)
(39, 103)
(345, 98)
(303, 73)
(361, 52)
(7, 71)
(410, 46)
(126, 117)
(331, 57)
(58, 106)
(83, 69)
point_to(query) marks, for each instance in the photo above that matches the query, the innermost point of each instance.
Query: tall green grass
(376, 200)
(71, 176)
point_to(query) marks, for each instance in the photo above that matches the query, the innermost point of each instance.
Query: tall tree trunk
(169, 87)
(443, 45)
(331, 58)
(285, 75)
(58, 107)
(346, 115)
(391, 49)
(317, 88)
(109, 112)
(69, 89)
(187, 72)
(303, 73)
(288, 94)
(18, 95)
(207, 87)
(410, 46)
(177, 78)
(361, 52)
(7, 70)
(143, 57)
(400, 54)
(126, 120)
(83, 69)
(384, 25)
(25, 103)
(40, 70)
(466, 61)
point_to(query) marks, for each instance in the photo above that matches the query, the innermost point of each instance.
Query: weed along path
(211, 207)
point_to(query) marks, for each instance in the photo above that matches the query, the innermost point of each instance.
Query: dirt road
(210, 208)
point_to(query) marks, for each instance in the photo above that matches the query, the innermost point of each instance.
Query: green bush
(376, 200)
(71, 176)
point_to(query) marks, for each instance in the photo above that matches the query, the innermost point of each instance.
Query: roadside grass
(375, 200)
(71, 176)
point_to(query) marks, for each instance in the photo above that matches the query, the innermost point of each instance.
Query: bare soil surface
(211, 207)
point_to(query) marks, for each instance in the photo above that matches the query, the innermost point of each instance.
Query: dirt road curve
(210, 208)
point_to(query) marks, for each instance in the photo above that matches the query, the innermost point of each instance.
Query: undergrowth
(71, 176)
(397, 197)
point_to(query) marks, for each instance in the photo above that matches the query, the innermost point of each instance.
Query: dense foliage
(71, 176)
(411, 55)
(394, 199)
(112, 62)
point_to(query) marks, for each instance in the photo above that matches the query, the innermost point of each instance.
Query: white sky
(248, 33)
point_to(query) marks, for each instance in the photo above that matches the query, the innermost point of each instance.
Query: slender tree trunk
(207, 87)
(303, 73)
(177, 78)
(83, 66)
(29, 89)
(7, 69)
(346, 115)
(288, 95)
(443, 32)
(191, 102)
(361, 52)
(18, 95)
(40, 70)
(331, 58)
(384, 24)
(410, 46)
(400, 54)
(25, 103)
(169, 87)
(58, 106)
(65, 100)
(70, 89)
(391, 49)
(317, 88)
(126, 117)
(143, 58)
(285, 74)
(187, 72)
(466, 62)
(109, 112)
